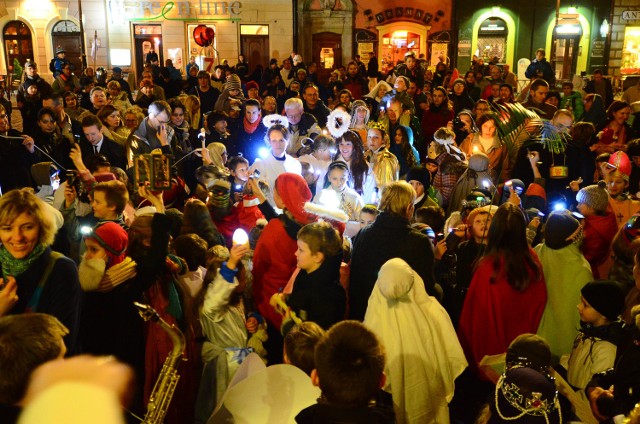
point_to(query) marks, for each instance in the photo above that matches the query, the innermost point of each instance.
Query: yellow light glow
(38, 9)
(240, 237)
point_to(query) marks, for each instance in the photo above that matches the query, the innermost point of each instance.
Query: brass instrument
(168, 379)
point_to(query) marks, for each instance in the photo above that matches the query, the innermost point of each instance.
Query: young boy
(600, 227)
(317, 294)
(300, 344)
(571, 100)
(349, 369)
(239, 167)
(619, 171)
(368, 215)
(594, 351)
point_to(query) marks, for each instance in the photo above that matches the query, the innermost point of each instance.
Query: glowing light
(240, 237)
(86, 230)
(238, 186)
(559, 206)
(263, 152)
(485, 184)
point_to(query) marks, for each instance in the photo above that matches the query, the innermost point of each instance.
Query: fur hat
(294, 192)
(606, 297)
(560, 229)
(594, 196)
(113, 238)
(233, 83)
(420, 174)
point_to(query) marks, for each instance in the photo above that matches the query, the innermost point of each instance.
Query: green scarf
(15, 267)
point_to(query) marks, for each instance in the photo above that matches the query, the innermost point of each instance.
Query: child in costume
(337, 191)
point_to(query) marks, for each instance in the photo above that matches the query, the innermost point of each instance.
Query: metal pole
(83, 44)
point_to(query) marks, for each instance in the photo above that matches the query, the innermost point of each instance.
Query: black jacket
(390, 236)
(110, 149)
(318, 296)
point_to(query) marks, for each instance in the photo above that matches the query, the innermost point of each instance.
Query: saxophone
(168, 379)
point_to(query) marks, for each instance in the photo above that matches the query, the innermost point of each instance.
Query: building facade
(575, 39)
(122, 32)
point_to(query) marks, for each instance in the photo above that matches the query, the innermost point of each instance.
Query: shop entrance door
(66, 34)
(145, 38)
(565, 50)
(327, 53)
(255, 49)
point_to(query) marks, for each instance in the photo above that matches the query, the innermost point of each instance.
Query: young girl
(402, 148)
(351, 151)
(337, 191)
(318, 154)
(222, 315)
(383, 163)
(507, 294)
(317, 294)
(359, 117)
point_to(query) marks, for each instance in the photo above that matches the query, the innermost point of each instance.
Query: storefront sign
(408, 13)
(438, 53)
(598, 49)
(173, 11)
(631, 15)
(464, 47)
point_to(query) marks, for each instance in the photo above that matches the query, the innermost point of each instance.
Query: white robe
(424, 356)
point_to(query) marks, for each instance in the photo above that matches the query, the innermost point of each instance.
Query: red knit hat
(622, 163)
(113, 238)
(294, 192)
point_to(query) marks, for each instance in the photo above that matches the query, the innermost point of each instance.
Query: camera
(457, 123)
(255, 174)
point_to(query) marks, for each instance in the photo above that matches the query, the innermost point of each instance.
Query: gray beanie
(233, 83)
(594, 196)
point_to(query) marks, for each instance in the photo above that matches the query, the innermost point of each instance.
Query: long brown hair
(358, 164)
(507, 247)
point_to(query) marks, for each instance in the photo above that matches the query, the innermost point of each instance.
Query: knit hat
(233, 83)
(420, 174)
(606, 297)
(60, 50)
(460, 81)
(594, 196)
(560, 229)
(294, 192)
(252, 84)
(113, 238)
(530, 350)
(622, 164)
(479, 162)
(30, 64)
(29, 82)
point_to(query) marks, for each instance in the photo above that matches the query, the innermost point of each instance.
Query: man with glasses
(154, 132)
(315, 106)
(301, 125)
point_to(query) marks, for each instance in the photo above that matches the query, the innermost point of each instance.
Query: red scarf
(251, 128)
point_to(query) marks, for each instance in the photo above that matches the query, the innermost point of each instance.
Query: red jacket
(495, 313)
(273, 263)
(599, 231)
